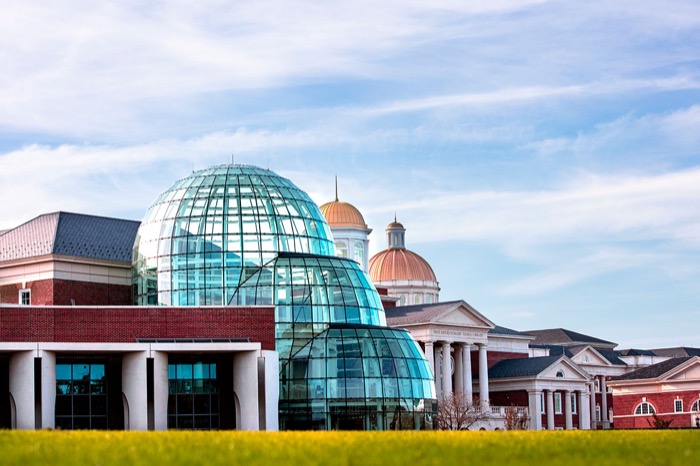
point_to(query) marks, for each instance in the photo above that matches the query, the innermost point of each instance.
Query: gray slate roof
(653, 371)
(562, 336)
(69, 234)
(636, 352)
(498, 330)
(417, 314)
(524, 367)
(677, 352)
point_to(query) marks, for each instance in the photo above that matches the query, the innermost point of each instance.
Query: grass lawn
(590, 448)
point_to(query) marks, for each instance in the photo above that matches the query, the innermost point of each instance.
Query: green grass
(592, 448)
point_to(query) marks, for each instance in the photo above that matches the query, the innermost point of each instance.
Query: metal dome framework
(242, 235)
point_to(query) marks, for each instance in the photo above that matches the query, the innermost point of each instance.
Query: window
(193, 401)
(81, 396)
(597, 413)
(429, 299)
(695, 407)
(542, 404)
(359, 252)
(597, 385)
(418, 299)
(341, 249)
(574, 409)
(557, 403)
(644, 408)
(402, 300)
(25, 297)
(677, 406)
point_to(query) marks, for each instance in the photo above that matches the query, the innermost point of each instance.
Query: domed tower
(405, 274)
(349, 229)
(240, 235)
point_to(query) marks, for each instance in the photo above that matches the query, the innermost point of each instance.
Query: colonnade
(582, 404)
(439, 355)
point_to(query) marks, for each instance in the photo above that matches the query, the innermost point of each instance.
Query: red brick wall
(663, 404)
(60, 292)
(90, 294)
(514, 398)
(126, 324)
(42, 292)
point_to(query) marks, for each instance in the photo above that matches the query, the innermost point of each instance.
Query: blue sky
(544, 156)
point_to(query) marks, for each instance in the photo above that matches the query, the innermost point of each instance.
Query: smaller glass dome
(357, 377)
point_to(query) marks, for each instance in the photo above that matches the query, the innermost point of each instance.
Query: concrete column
(245, 387)
(135, 390)
(438, 375)
(584, 420)
(159, 411)
(604, 403)
(459, 367)
(446, 369)
(534, 409)
(483, 376)
(429, 355)
(22, 390)
(48, 390)
(268, 366)
(592, 406)
(568, 415)
(550, 409)
(467, 371)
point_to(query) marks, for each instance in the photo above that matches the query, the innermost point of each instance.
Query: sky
(544, 156)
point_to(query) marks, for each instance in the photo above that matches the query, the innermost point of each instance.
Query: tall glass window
(341, 249)
(359, 252)
(81, 396)
(193, 401)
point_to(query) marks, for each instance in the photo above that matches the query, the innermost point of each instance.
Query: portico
(454, 337)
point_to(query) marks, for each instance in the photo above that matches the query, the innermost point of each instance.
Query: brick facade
(56, 292)
(126, 324)
(663, 403)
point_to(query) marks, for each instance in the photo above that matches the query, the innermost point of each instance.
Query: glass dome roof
(213, 229)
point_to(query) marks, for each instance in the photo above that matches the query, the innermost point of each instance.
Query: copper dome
(400, 264)
(342, 214)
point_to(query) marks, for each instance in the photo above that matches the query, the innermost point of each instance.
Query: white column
(48, 389)
(446, 369)
(22, 389)
(438, 375)
(467, 371)
(429, 355)
(160, 390)
(245, 386)
(604, 403)
(592, 406)
(483, 376)
(550, 409)
(268, 364)
(534, 409)
(135, 390)
(567, 410)
(459, 367)
(584, 417)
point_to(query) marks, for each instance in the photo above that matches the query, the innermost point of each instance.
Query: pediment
(589, 356)
(564, 369)
(462, 315)
(689, 371)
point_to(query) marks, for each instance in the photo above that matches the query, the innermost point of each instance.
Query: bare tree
(515, 419)
(459, 412)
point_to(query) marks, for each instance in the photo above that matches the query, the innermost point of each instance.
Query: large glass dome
(213, 229)
(242, 235)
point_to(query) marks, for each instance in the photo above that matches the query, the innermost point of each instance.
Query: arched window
(402, 300)
(644, 408)
(359, 252)
(429, 299)
(418, 299)
(341, 249)
(695, 407)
